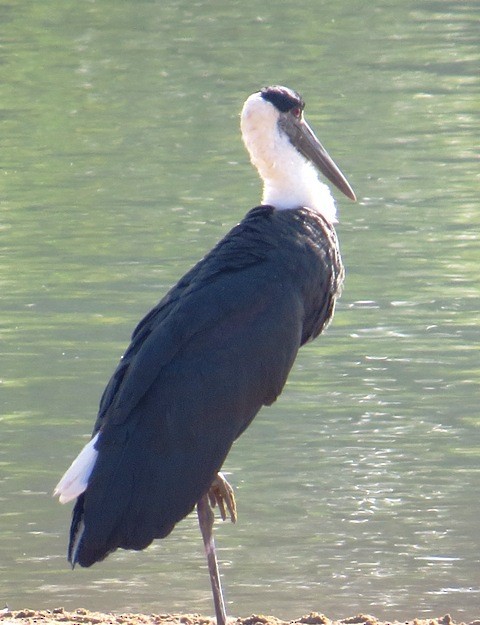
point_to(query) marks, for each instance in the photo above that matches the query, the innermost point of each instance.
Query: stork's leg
(221, 495)
(205, 520)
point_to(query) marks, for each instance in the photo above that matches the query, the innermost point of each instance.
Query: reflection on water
(122, 165)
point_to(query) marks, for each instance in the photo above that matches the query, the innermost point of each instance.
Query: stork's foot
(221, 495)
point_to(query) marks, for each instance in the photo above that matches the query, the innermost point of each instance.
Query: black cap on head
(282, 98)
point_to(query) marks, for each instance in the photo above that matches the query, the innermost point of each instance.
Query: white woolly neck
(289, 180)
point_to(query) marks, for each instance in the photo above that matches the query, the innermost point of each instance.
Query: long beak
(304, 139)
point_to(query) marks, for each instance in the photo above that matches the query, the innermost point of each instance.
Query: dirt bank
(82, 617)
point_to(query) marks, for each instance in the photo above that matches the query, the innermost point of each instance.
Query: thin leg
(205, 520)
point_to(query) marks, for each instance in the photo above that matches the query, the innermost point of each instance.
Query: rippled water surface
(122, 165)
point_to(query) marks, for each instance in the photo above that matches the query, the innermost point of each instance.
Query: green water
(121, 165)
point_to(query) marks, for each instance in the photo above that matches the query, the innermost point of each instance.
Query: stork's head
(286, 152)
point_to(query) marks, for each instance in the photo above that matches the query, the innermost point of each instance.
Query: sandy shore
(81, 616)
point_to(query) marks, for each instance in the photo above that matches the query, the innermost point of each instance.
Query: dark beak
(304, 139)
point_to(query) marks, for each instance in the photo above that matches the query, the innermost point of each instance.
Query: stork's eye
(296, 112)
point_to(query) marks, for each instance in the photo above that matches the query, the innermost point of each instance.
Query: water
(121, 165)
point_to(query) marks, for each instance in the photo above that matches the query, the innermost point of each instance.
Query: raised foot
(221, 495)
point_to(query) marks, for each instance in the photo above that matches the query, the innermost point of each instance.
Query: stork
(212, 352)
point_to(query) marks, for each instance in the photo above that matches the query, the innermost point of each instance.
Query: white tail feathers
(75, 479)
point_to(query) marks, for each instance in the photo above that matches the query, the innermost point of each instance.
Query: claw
(221, 495)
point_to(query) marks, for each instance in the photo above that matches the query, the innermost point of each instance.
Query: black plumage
(283, 99)
(200, 366)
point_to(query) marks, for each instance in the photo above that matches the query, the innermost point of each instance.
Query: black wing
(200, 366)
